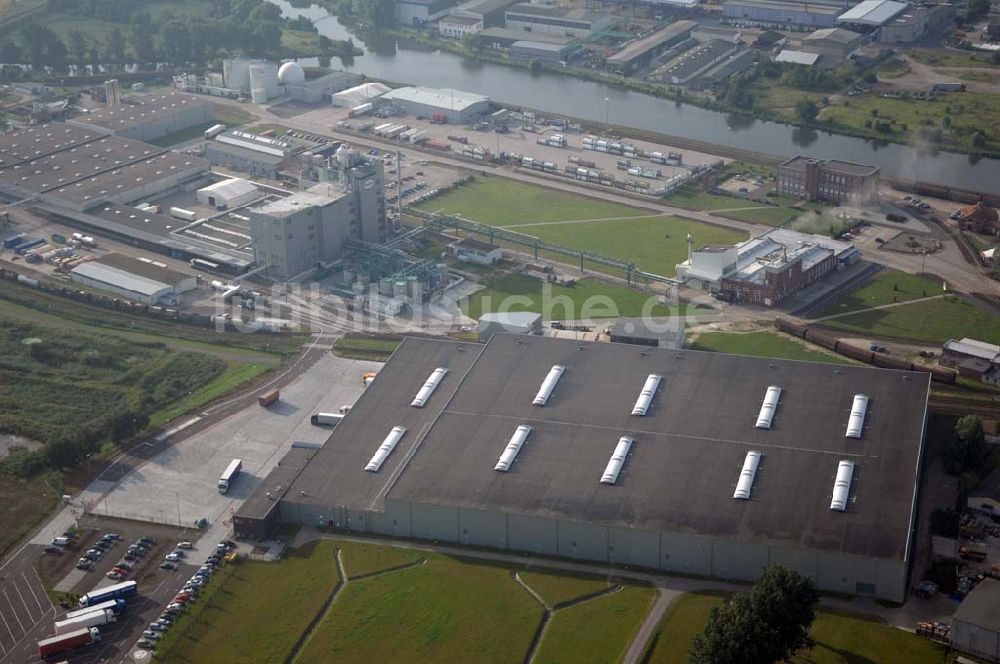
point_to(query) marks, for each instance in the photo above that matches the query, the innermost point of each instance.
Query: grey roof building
(152, 116)
(975, 627)
(146, 282)
(670, 503)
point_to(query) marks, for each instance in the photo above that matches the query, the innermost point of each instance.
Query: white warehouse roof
(797, 57)
(122, 279)
(230, 189)
(446, 98)
(872, 12)
(360, 94)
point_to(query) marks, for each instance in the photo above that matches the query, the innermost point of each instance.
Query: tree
(535, 66)
(77, 45)
(380, 13)
(978, 139)
(976, 9)
(967, 447)
(176, 42)
(143, 44)
(806, 109)
(115, 44)
(766, 625)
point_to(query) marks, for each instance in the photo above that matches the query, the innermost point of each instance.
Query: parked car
(152, 635)
(175, 606)
(115, 576)
(184, 545)
(147, 541)
(172, 557)
(111, 536)
(53, 549)
(92, 556)
(168, 565)
(179, 552)
(84, 564)
(145, 644)
(158, 627)
(69, 534)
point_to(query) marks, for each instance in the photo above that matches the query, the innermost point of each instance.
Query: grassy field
(888, 287)
(447, 610)
(360, 558)
(502, 202)
(235, 376)
(587, 299)
(839, 639)
(931, 321)
(363, 347)
(558, 588)
(951, 58)
(23, 505)
(259, 612)
(894, 68)
(599, 630)
(763, 344)
(56, 383)
(965, 111)
(655, 243)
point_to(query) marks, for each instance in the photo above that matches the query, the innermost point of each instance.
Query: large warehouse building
(455, 106)
(148, 117)
(611, 453)
(142, 280)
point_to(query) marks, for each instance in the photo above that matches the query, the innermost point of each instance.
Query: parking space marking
(30, 588)
(27, 610)
(9, 630)
(11, 605)
(26, 635)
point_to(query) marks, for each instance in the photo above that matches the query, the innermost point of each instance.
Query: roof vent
(745, 483)
(428, 389)
(856, 423)
(767, 408)
(646, 396)
(549, 384)
(617, 460)
(842, 486)
(513, 447)
(385, 449)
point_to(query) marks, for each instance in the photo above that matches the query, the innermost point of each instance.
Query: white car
(172, 557)
(184, 545)
(152, 635)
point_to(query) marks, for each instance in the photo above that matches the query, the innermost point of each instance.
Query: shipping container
(56, 645)
(13, 241)
(269, 397)
(28, 245)
(181, 213)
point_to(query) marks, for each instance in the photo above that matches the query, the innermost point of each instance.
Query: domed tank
(291, 72)
(344, 155)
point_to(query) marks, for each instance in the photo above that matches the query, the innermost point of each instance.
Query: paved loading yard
(180, 483)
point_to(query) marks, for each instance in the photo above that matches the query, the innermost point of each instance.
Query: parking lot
(179, 486)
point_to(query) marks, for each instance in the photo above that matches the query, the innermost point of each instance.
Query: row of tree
(251, 27)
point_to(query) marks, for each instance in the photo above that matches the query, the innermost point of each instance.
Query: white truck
(85, 621)
(326, 419)
(232, 470)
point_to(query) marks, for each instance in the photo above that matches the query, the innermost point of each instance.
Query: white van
(61, 541)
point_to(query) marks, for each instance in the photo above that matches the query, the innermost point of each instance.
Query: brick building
(832, 180)
(979, 219)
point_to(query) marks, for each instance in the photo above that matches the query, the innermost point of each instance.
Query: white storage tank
(291, 72)
(264, 80)
(236, 73)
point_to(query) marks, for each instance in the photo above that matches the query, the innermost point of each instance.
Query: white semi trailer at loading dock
(232, 470)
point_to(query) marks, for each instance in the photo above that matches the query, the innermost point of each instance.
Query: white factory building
(264, 80)
(456, 106)
(138, 279)
(359, 94)
(228, 193)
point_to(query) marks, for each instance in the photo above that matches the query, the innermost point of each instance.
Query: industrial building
(625, 456)
(453, 26)
(149, 117)
(141, 280)
(793, 57)
(975, 627)
(534, 50)
(311, 228)
(650, 331)
(979, 218)
(719, 75)
(317, 90)
(781, 15)
(694, 62)
(641, 52)
(476, 251)
(914, 23)
(510, 322)
(832, 180)
(455, 106)
(766, 269)
(229, 193)
(421, 12)
(505, 38)
(244, 158)
(489, 12)
(359, 94)
(556, 20)
(974, 359)
(871, 13)
(834, 45)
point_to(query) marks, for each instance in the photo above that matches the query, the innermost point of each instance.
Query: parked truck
(214, 131)
(326, 419)
(229, 475)
(269, 397)
(87, 620)
(116, 605)
(181, 213)
(55, 645)
(13, 241)
(117, 591)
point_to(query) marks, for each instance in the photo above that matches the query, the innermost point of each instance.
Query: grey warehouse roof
(872, 12)
(686, 459)
(982, 606)
(456, 100)
(121, 278)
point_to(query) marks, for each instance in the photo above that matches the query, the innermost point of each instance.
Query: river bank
(828, 124)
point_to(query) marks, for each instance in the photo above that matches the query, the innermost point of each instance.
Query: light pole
(607, 109)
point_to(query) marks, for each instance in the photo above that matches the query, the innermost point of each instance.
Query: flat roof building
(359, 94)
(784, 15)
(499, 37)
(546, 52)
(141, 280)
(655, 332)
(476, 251)
(975, 627)
(456, 106)
(489, 12)
(834, 45)
(152, 116)
(510, 322)
(670, 505)
(232, 192)
(315, 90)
(872, 12)
(421, 12)
(453, 26)
(694, 62)
(640, 52)
(556, 20)
(794, 57)
(831, 180)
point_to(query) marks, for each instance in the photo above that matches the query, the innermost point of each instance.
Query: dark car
(53, 549)
(146, 541)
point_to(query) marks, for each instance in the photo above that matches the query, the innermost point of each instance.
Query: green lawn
(257, 613)
(764, 344)
(598, 630)
(235, 375)
(360, 558)
(502, 202)
(839, 639)
(558, 588)
(696, 199)
(361, 347)
(447, 610)
(766, 215)
(932, 321)
(587, 299)
(887, 287)
(948, 58)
